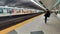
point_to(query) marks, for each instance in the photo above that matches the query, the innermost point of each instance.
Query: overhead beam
(56, 4)
(40, 5)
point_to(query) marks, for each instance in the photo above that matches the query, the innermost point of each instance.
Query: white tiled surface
(52, 26)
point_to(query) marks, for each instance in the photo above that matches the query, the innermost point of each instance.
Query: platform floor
(38, 24)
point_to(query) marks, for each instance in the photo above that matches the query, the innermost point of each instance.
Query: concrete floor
(37, 24)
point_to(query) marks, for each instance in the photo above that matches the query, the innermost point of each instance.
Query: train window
(8, 10)
(35, 11)
(1, 10)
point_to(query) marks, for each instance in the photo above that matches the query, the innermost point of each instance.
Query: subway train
(9, 11)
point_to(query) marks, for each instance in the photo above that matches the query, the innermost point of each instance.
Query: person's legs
(45, 20)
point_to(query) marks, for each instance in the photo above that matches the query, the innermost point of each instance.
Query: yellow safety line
(17, 25)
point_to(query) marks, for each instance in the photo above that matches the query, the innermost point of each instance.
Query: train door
(5, 10)
(9, 10)
(12, 10)
(16, 11)
(1, 10)
(19, 10)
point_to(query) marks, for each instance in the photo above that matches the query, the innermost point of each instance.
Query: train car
(5, 11)
(10, 11)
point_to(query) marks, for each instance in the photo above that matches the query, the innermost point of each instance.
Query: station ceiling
(27, 3)
(48, 3)
(19, 3)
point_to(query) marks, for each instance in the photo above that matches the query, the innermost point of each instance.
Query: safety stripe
(17, 25)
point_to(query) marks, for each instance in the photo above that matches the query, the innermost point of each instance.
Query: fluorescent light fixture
(38, 4)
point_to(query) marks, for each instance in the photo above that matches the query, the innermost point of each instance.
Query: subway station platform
(27, 17)
(38, 24)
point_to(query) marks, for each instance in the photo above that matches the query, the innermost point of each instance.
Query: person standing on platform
(47, 14)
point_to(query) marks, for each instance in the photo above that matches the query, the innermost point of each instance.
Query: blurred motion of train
(9, 11)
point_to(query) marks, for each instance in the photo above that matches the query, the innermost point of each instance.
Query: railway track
(10, 21)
